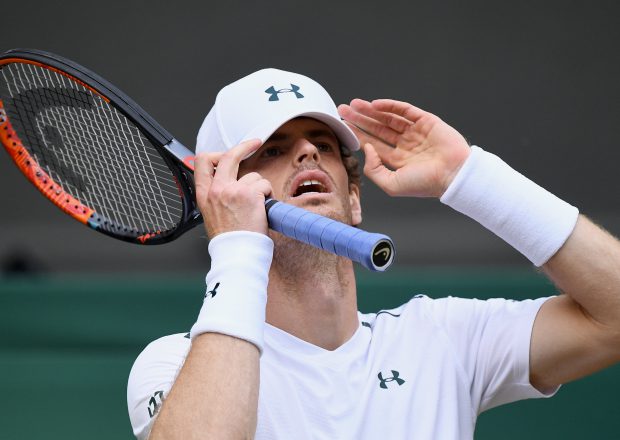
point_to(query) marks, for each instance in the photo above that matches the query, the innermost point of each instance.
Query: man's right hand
(227, 203)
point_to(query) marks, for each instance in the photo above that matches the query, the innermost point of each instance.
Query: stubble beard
(291, 258)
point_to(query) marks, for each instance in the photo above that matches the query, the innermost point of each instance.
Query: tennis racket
(99, 157)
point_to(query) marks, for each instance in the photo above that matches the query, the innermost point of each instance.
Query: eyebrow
(312, 134)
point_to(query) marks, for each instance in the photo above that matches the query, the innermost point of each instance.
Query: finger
(387, 153)
(361, 135)
(264, 187)
(376, 171)
(250, 178)
(204, 169)
(404, 109)
(394, 121)
(258, 183)
(228, 164)
(369, 125)
(215, 157)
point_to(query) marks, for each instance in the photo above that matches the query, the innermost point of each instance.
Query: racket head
(92, 151)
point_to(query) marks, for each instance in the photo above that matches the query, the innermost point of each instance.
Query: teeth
(307, 183)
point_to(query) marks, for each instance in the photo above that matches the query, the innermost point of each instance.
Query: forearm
(587, 268)
(578, 333)
(215, 394)
(580, 258)
(574, 334)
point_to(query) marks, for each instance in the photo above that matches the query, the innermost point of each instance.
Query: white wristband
(525, 215)
(236, 287)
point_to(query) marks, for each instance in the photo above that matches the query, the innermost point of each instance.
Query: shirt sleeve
(491, 339)
(151, 378)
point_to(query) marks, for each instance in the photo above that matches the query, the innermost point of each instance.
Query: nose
(306, 151)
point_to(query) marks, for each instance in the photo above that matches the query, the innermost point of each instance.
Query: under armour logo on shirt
(395, 378)
(213, 291)
(274, 93)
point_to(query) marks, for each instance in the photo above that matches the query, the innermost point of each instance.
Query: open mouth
(310, 182)
(310, 186)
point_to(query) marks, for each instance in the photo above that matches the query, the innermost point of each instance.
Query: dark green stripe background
(67, 344)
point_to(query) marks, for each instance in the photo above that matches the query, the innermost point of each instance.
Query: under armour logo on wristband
(274, 93)
(213, 291)
(395, 378)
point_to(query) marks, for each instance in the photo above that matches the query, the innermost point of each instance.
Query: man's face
(303, 163)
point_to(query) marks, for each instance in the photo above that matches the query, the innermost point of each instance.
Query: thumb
(376, 171)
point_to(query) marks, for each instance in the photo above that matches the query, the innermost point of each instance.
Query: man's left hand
(409, 152)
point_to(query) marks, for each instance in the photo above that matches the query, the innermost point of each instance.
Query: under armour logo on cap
(256, 105)
(274, 93)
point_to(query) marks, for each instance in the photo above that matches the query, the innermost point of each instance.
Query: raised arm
(578, 333)
(410, 152)
(216, 392)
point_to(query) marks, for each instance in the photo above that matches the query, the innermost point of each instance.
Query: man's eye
(324, 147)
(271, 152)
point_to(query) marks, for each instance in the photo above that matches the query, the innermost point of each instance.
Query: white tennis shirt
(422, 371)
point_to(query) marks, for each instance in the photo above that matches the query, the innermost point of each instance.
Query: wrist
(465, 153)
(236, 296)
(525, 215)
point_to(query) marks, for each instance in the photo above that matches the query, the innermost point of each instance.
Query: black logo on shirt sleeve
(213, 291)
(155, 403)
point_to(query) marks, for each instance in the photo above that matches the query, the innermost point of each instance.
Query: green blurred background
(67, 344)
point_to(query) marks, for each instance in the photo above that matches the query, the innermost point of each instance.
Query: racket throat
(181, 153)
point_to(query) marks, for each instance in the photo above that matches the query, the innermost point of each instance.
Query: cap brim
(344, 134)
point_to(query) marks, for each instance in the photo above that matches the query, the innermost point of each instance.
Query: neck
(312, 295)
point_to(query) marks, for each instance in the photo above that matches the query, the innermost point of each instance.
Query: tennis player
(279, 350)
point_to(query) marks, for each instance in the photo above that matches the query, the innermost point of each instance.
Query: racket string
(110, 165)
(87, 145)
(112, 204)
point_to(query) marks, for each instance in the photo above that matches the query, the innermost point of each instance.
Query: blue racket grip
(373, 251)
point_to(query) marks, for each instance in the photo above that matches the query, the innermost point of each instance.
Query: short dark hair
(351, 164)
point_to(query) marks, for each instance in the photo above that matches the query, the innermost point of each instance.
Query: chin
(335, 213)
(325, 204)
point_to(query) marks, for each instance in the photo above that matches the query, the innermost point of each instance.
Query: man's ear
(356, 206)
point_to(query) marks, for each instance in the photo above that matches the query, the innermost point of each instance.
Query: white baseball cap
(257, 105)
